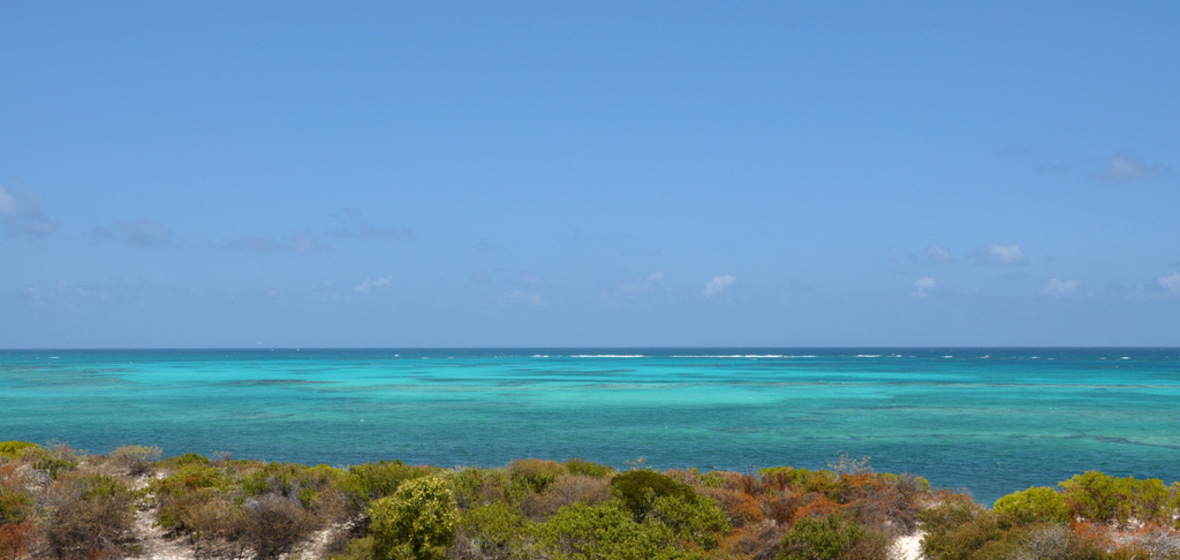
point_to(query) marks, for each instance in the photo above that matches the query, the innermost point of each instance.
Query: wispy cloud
(140, 233)
(484, 246)
(646, 285)
(303, 242)
(933, 254)
(364, 288)
(1124, 167)
(718, 285)
(352, 226)
(366, 231)
(923, 286)
(1015, 150)
(21, 213)
(1170, 283)
(520, 297)
(1002, 255)
(1061, 288)
(530, 279)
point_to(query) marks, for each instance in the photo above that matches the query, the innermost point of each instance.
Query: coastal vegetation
(61, 503)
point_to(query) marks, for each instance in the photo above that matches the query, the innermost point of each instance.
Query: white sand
(908, 547)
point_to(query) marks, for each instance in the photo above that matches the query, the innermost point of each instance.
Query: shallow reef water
(991, 421)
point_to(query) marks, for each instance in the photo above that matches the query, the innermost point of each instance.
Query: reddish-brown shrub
(566, 490)
(814, 506)
(15, 539)
(756, 542)
(740, 508)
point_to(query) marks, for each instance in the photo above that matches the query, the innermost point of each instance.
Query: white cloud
(367, 286)
(530, 279)
(520, 297)
(935, 253)
(653, 282)
(352, 226)
(1061, 288)
(1170, 283)
(299, 242)
(141, 233)
(7, 202)
(718, 285)
(923, 286)
(1003, 255)
(1122, 168)
(21, 214)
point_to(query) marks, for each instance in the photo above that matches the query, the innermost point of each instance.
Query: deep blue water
(989, 420)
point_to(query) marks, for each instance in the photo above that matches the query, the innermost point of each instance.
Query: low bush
(582, 467)
(13, 450)
(566, 490)
(16, 504)
(831, 538)
(962, 530)
(187, 459)
(416, 523)
(1055, 542)
(135, 460)
(698, 520)
(638, 490)
(740, 509)
(1096, 496)
(1035, 505)
(605, 532)
(887, 503)
(273, 524)
(56, 459)
(536, 474)
(88, 517)
(494, 532)
(188, 494)
(372, 481)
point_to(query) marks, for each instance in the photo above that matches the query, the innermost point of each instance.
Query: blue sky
(589, 174)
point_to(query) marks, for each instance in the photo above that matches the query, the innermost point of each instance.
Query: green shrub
(828, 483)
(1093, 496)
(88, 517)
(1096, 496)
(638, 490)
(582, 467)
(698, 520)
(606, 532)
(536, 474)
(370, 481)
(713, 479)
(56, 459)
(494, 531)
(468, 486)
(830, 538)
(192, 493)
(1056, 542)
(180, 461)
(416, 523)
(13, 450)
(136, 460)
(356, 549)
(1035, 505)
(962, 530)
(15, 506)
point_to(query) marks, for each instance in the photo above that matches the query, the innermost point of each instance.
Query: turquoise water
(988, 420)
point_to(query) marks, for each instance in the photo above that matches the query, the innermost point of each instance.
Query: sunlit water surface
(988, 420)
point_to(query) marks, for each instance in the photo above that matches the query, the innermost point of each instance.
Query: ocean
(987, 420)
